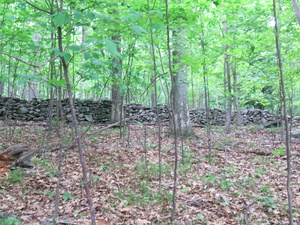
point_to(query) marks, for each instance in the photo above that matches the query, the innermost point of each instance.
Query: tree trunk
(229, 101)
(179, 93)
(227, 79)
(31, 88)
(1, 82)
(117, 112)
(236, 98)
(75, 123)
(296, 9)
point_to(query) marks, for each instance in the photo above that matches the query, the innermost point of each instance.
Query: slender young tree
(154, 101)
(227, 79)
(206, 94)
(173, 117)
(285, 117)
(74, 118)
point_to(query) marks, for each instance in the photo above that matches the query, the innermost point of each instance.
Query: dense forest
(99, 38)
(234, 58)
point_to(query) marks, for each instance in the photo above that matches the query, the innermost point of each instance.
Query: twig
(43, 10)
(187, 221)
(247, 212)
(30, 64)
(21, 60)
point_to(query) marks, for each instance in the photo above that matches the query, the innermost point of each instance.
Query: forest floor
(242, 180)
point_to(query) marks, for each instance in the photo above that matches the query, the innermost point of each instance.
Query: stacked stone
(100, 112)
(215, 116)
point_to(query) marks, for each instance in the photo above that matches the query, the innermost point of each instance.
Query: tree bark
(227, 79)
(179, 87)
(296, 9)
(117, 111)
(236, 98)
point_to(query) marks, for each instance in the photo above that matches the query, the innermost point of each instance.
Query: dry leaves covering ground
(235, 183)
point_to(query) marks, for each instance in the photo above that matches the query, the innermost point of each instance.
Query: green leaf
(155, 26)
(77, 15)
(74, 89)
(95, 179)
(280, 152)
(28, 76)
(58, 20)
(134, 16)
(66, 55)
(200, 216)
(111, 47)
(87, 55)
(9, 221)
(67, 196)
(52, 194)
(139, 30)
(75, 48)
(91, 16)
(57, 82)
(224, 203)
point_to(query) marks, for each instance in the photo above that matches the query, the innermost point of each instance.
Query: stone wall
(99, 112)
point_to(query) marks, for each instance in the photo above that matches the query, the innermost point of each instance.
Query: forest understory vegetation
(241, 180)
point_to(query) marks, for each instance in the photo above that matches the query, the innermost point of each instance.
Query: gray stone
(89, 118)
(23, 110)
(69, 117)
(295, 133)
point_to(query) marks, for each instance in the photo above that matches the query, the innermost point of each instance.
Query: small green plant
(103, 168)
(273, 130)
(247, 181)
(280, 152)
(265, 189)
(163, 197)
(66, 196)
(225, 203)
(231, 169)
(95, 178)
(267, 201)
(225, 183)
(209, 158)
(210, 178)
(77, 214)
(250, 144)
(46, 164)
(185, 188)
(9, 221)
(16, 176)
(200, 217)
(49, 193)
(252, 128)
(150, 169)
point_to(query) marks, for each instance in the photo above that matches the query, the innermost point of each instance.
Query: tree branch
(30, 64)
(43, 10)
(49, 60)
